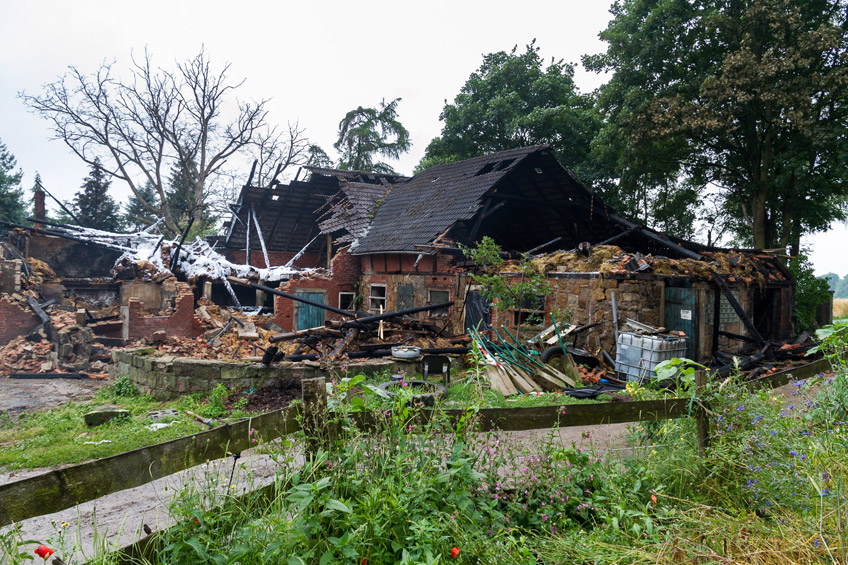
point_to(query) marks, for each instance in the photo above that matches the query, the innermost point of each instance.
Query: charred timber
(294, 297)
(374, 353)
(399, 313)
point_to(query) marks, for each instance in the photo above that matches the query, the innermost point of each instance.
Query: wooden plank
(493, 374)
(792, 374)
(64, 488)
(547, 380)
(517, 419)
(342, 345)
(519, 381)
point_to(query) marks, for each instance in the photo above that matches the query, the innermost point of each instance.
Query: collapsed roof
(523, 198)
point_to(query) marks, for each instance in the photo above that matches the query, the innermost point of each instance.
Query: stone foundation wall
(166, 377)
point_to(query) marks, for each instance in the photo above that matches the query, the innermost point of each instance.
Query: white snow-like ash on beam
(198, 259)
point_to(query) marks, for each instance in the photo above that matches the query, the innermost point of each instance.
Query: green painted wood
(65, 488)
(681, 314)
(309, 316)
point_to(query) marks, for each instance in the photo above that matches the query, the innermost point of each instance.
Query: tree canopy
(12, 203)
(367, 133)
(93, 206)
(748, 97)
(514, 100)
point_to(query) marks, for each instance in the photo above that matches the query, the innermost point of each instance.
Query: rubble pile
(612, 260)
(57, 347)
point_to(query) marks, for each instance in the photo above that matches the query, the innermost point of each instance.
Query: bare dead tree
(141, 126)
(275, 152)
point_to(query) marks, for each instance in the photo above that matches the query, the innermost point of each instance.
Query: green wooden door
(681, 314)
(309, 316)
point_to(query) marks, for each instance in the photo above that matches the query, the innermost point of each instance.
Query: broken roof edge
(345, 174)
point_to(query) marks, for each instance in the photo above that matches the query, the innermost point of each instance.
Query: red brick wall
(15, 320)
(277, 258)
(181, 323)
(345, 277)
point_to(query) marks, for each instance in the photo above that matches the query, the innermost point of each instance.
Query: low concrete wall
(166, 376)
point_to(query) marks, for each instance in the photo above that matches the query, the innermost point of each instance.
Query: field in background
(840, 308)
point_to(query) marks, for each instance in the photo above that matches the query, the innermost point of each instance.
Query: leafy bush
(810, 292)
(123, 387)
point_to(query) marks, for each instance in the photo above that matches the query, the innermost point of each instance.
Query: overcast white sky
(315, 60)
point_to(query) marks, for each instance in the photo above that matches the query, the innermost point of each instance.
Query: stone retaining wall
(167, 376)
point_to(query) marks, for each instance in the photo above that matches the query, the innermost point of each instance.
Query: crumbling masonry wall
(345, 278)
(589, 298)
(432, 273)
(15, 320)
(182, 322)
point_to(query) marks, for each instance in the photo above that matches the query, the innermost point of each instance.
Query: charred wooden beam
(399, 313)
(749, 325)
(279, 292)
(341, 345)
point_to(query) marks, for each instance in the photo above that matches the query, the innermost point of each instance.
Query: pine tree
(12, 204)
(136, 216)
(93, 206)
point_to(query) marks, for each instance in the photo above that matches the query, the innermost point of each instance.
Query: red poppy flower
(455, 552)
(654, 498)
(43, 551)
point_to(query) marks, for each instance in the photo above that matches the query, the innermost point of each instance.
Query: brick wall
(10, 276)
(15, 320)
(182, 322)
(345, 278)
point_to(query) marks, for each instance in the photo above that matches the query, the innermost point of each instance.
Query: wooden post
(207, 290)
(314, 413)
(260, 296)
(701, 419)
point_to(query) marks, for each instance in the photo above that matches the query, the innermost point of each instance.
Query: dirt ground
(264, 399)
(20, 395)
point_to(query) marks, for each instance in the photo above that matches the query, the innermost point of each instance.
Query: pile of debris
(612, 260)
(58, 345)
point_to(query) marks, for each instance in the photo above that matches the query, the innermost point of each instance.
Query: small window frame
(375, 301)
(441, 313)
(347, 304)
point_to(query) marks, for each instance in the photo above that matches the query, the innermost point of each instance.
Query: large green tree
(747, 96)
(12, 203)
(514, 100)
(93, 206)
(367, 133)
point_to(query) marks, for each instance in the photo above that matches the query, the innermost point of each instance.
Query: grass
(771, 488)
(464, 391)
(60, 436)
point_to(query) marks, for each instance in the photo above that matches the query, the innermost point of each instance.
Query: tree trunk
(758, 215)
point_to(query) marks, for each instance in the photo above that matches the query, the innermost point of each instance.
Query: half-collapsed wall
(15, 320)
(177, 321)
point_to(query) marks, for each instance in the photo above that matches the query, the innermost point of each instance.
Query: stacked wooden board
(512, 369)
